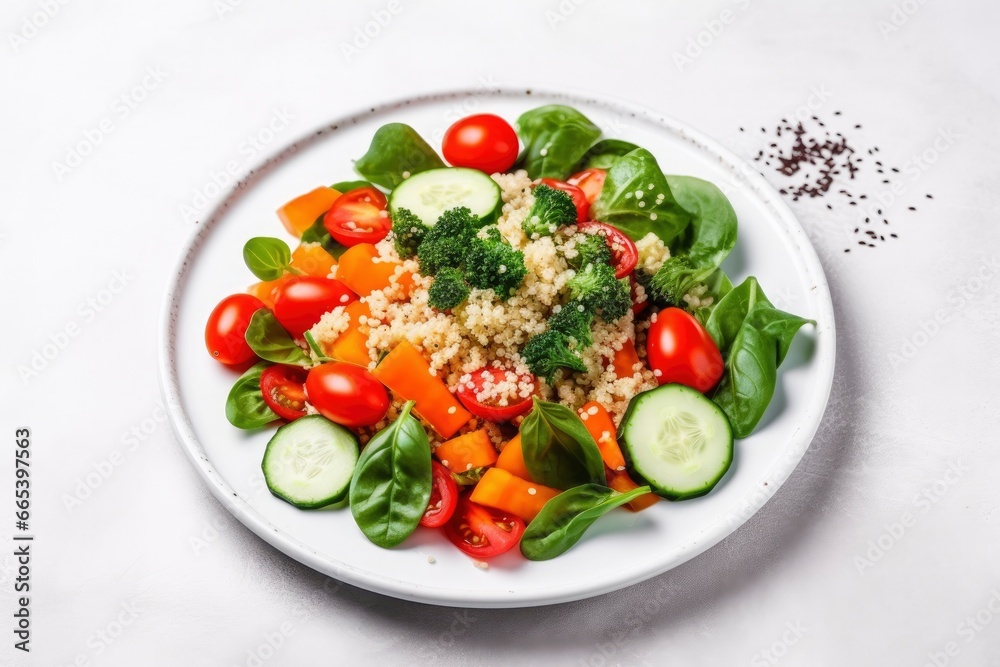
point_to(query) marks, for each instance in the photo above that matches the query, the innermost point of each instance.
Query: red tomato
(637, 307)
(490, 409)
(358, 216)
(300, 302)
(444, 497)
(624, 254)
(225, 333)
(283, 390)
(482, 532)
(590, 181)
(484, 141)
(579, 198)
(680, 350)
(347, 394)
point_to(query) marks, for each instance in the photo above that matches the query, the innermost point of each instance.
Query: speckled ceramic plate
(622, 548)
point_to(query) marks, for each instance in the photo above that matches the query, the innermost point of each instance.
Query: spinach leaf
(347, 186)
(245, 406)
(267, 258)
(271, 342)
(558, 450)
(754, 338)
(564, 519)
(603, 154)
(555, 138)
(317, 234)
(631, 199)
(396, 149)
(392, 481)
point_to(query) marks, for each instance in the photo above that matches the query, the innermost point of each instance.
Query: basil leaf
(266, 257)
(629, 203)
(245, 406)
(604, 153)
(558, 450)
(271, 342)
(317, 234)
(396, 149)
(564, 519)
(555, 138)
(347, 186)
(392, 481)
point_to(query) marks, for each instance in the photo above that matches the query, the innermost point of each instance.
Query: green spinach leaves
(317, 233)
(245, 406)
(555, 138)
(558, 450)
(396, 152)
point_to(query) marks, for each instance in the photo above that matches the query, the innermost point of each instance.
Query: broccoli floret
(447, 242)
(671, 282)
(407, 231)
(573, 320)
(600, 292)
(550, 351)
(551, 210)
(448, 289)
(492, 263)
(591, 249)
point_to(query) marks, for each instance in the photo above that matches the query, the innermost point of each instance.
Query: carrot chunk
(600, 425)
(503, 491)
(467, 451)
(299, 214)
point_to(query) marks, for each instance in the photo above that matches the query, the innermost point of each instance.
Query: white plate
(622, 548)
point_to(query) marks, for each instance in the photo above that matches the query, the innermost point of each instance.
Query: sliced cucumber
(677, 441)
(430, 193)
(309, 462)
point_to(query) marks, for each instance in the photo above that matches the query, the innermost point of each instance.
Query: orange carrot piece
(467, 451)
(511, 459)
(405, 371)
(266, 291)
(625, 360)
(299, 214)
(501, 490)
(600, 425)
(621, 482)
(358, 270)
(312, 260)
(352, 345)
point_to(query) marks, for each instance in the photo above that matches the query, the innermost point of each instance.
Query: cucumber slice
(430, 193)
(677, 441)
(309, 462)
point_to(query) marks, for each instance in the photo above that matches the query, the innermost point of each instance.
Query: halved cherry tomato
(491, 409)
(680, 350)
(300, 302)
(347, 394)
(283, 390)
(624, 254)
(444, 497)
(591, 181)
(482, 532)
(227, 326)
(637, 306)
(483, 141)
(358, 216)
(579, 198)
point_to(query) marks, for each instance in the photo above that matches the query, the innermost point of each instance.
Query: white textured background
(204, 591)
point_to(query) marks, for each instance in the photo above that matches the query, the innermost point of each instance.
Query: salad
(503, 342)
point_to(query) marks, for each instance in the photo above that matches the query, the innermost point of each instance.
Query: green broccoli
(600, 292)
(573, 320)
(408, 231)
(552, 209)
(550, 351)
(447, 242)
(492, 263)
(672, 281)
(448, 289)
(591, 249)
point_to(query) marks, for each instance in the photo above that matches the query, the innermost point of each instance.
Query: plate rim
(765, 487)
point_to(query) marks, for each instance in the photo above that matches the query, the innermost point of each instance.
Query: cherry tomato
(225, 333)
(283, 390)
(483, 141)
(358, 216)
(579, 198)
(482, 532)
(590, 181)
(444, 497)
(680, 350)
(347, 394)
(300, 302)
(624, 254)
(491, 409)
(637, 307)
